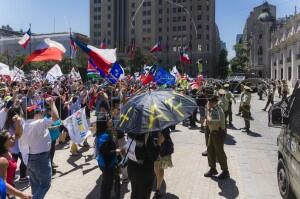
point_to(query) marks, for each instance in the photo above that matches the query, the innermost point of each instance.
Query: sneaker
(211, 172)
(204, 153)
(53, 172)
(263, 109)
(224, 175)
(25, 179)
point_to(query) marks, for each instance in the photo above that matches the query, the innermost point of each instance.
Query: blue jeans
(39, 170)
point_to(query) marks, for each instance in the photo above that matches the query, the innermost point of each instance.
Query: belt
(43, 153)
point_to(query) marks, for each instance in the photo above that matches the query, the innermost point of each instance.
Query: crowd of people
(31, 123)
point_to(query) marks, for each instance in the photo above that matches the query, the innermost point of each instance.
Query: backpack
(103, 142)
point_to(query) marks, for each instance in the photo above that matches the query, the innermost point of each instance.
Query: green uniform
(230, 98)
(245, 105)
(217, 135)
(224, 104)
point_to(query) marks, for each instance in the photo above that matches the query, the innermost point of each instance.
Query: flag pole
(70, 63)
(30, 39)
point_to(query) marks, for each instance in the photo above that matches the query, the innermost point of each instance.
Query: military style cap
(222, 92)
(247, 88)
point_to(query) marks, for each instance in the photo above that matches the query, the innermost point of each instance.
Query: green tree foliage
(139, 60)
(223, 64)
(240, 62)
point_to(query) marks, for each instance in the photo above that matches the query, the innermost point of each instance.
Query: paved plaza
(252, 161)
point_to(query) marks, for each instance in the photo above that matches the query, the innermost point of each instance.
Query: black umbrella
(155, 111)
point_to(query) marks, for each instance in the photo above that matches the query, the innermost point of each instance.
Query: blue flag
(163, 77)
(114, 74)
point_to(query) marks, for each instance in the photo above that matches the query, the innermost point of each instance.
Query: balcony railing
(280, 61)
(288, 60)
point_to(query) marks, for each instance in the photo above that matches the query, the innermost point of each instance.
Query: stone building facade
(175, 23)
(285, 50)
(257, 38)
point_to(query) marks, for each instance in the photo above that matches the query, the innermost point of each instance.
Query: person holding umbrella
(217, 134)
(142, 117)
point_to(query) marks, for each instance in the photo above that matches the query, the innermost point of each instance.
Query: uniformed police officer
(241, 97)
(230, 97)
(270, 97)
(217, 134)
(245, 106)
(223, 102)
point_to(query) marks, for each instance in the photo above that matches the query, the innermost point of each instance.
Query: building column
(284, 65)
(278, 66)
(294, 65)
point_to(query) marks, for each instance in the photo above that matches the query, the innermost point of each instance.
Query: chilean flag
(149, 77)
(103, 58)
(156, 48)
(48, 50)
(184, 57)
(24, 41)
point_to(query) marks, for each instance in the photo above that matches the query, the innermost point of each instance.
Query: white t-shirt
(36, 137)
(3, 116)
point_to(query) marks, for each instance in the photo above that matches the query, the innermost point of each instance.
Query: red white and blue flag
(24, 41)
(184, 57)
(103, 44)
(156, 48)
(47, 50)
(103, 58)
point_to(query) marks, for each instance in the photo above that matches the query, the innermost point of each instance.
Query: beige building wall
(285, 50)
(257, 38)
(159, 21)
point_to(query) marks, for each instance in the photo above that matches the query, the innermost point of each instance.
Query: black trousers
(107, 182)
(52, 151)
(141, 183)
(270, 101)
(23, 167)
(230, 112)
(193, 119)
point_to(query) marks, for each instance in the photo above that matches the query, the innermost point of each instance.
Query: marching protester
(8, 164)
(142, 153)
(279, 88)
(35, 145)
(15, 150)
(105, 155)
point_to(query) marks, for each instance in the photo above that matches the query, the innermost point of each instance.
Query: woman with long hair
(14, 150)
(8, 165)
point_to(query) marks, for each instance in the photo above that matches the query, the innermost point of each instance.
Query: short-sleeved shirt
(36, 137)
(246, 98)
(216, 119)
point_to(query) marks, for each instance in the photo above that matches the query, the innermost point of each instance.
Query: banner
(77, 126)
(54, 73)
(17, 74)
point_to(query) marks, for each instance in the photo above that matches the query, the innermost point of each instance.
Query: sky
(58, 15)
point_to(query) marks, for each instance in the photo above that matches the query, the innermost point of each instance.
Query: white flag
(77, 126)
(75, 75)
(54, 73)
(17, 74)
(4, 69)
